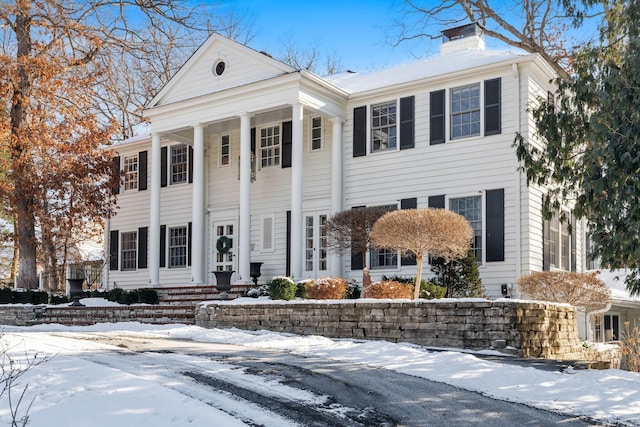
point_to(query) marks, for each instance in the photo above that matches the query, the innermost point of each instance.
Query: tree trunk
(416, 289)
(27, 275)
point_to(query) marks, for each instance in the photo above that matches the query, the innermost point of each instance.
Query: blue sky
(352, 29)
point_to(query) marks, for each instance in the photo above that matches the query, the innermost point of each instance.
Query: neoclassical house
(249, 153)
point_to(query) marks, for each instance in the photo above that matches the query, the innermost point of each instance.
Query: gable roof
(196, 77)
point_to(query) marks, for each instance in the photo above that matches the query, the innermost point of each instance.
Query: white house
(247, 147)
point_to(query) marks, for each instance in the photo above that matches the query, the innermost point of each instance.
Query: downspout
(518, 179)
(107, 253)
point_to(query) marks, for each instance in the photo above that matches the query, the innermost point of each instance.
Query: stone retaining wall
(528, 329)
(35, 315)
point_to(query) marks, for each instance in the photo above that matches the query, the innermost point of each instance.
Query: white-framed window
(316, 133)
(177, 247)
(270, 146)
(558, 253)
(465, 111)
(383, 126)
(131, 172)
(268, 233)
(225, 150)
(179, 164)
(384, 258)
(308, 243)
(323, 243)
(470, 207)
(611, 327)
(129, 250)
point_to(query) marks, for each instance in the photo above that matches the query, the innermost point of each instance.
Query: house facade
(248, 153)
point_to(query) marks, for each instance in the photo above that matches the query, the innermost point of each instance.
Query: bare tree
(310, 58)
(579, 289)
(536, 26)
(350, 230)
(65, 85)
(441, 233)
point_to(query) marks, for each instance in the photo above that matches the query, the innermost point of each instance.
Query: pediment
(218, 64)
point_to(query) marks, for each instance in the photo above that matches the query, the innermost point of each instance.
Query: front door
(224, 235)
(315, 245)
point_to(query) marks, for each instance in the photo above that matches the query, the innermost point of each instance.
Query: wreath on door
(223, 244)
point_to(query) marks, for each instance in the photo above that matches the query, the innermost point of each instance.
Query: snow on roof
(459, 60)
(614, 279)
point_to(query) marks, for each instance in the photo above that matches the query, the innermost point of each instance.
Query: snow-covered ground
(84, 383)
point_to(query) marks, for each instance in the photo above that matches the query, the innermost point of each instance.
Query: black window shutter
(189, 228)
(492, 113)
(574, 233)
(142, 170)
(287, 140)
(436, 202)
(408, 204)
(142, 247)
(357, 257)
(163, 246)
(546, 237)
(116, 173)
(253, 141)
(163, 167)
(288, 248)
(495, 225)
(437, 117)
(407, 128)
(113, 249)
(190, 164)
(360, 131)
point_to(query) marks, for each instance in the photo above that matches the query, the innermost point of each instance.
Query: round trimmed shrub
(390, 289)
(282, 288)
(327, 288)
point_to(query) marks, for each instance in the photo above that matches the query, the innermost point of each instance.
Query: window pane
(383, 126)
(471, 209)
(129, 250)
(177, 247)
(131, 173)
(179, 158)
(270, 146)
(465, 111)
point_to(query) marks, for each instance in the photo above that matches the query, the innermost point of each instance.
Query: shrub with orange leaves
(326, 288)
(579, 289)
(390, 289)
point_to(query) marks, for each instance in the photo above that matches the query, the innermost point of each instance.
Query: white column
(197, 212)
(296, 192)
(335, 260)
(244, 228)
(154, 217)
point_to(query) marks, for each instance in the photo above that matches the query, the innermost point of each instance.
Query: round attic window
(218, 67)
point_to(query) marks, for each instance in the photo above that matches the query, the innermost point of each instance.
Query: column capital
(336, 119)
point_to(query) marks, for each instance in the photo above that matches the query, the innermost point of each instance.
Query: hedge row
(134, 296)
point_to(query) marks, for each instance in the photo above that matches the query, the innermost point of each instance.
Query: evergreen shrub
(281, 287)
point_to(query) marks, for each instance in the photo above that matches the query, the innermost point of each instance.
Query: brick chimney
(469, 36)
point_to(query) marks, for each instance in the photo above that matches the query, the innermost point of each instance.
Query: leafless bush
(390, 289)
(326, 288)
(630, 338)
(579, 289)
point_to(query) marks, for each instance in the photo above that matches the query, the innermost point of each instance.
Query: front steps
(191, 295)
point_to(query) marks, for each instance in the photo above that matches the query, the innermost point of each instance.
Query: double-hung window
(558, 243)
(225, 150)
(383, 126)
(465, 111)
(131, 173)
(384, 258)
(179, 164)
(177, 247)
(129, 250)
(270, 146)
(471, 209)
(316, 133)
